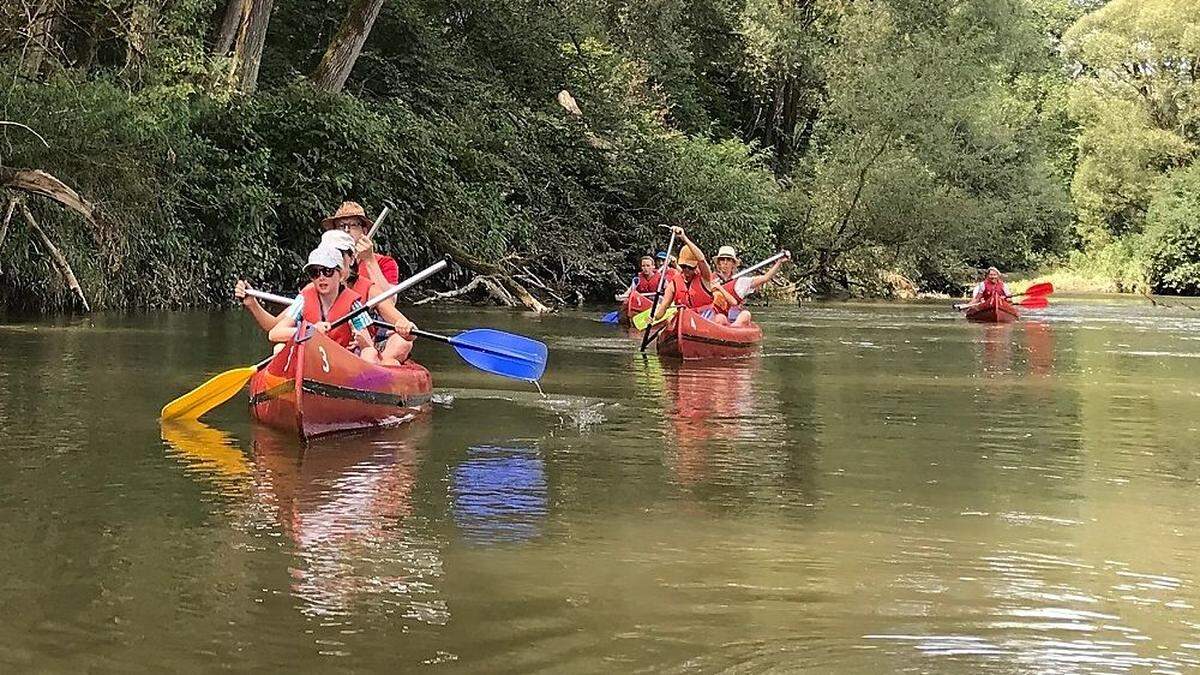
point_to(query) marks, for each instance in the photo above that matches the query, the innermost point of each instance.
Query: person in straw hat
(693, 285)
(368, 274)
(727, 264)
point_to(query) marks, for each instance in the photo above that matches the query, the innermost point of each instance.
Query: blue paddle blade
(501, 353)
(611, 317)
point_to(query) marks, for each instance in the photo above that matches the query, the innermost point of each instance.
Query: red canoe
(690, 336)
(317, 388)
(635, 304)
(996, 310)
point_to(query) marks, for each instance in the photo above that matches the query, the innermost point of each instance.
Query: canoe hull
(317, 388)
(691, 337)
(998, 310)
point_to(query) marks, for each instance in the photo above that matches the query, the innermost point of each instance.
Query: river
(885, 488)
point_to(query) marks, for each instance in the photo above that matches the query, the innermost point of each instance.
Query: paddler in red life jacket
(368, 274)
(991, 286)
(727, 263)
(323, 301)
(646, 280)
(692, 286)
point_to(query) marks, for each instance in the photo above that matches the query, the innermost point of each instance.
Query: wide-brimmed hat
(687, 258)
(347, 211)
(729, 252)
(337, 239)
(324, 256)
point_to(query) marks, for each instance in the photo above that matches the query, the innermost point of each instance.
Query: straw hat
(347, 210)
(729, 252)
(686, 257)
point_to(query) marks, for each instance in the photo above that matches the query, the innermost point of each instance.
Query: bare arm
(282, 331)
(765, 278)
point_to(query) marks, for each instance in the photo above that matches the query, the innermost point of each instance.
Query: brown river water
(885, 488)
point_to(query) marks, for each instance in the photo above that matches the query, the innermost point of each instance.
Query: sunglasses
(318, 271)
(345, 225)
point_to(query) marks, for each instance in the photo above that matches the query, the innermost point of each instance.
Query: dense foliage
(924, 137)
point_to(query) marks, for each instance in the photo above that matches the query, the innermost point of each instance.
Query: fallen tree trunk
(56, 256)
(39, 182)
(493, 274)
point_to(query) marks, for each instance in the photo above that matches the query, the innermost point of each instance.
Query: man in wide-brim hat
(737, 290)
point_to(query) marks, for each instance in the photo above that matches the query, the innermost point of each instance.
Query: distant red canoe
(318, 387)
(997, 310)
(690, 336)
(635, 304)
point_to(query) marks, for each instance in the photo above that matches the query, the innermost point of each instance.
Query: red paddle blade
(1044, 288)
(1035, 302)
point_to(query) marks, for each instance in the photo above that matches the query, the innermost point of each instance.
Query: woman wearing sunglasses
(323, 301)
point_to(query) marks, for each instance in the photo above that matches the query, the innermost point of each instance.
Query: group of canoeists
(341, 355)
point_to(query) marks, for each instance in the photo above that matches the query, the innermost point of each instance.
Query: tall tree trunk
(248, 49)
(41, 37)
(228, 30)
(346, 45)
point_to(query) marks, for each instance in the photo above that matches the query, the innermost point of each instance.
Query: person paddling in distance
(991, 286)
(692, 286)
(646, 280)
(323, 301)
(727, 263)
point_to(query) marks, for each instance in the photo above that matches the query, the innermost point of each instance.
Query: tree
(346, 45)
(248, 48)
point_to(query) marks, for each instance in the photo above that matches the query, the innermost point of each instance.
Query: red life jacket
(647, 284)
(992, 289)
(362, 286)
(314, 312)
(730, 288)
(692, 294)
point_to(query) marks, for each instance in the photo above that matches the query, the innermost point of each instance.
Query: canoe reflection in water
(499, 494)
(342, 506)
(998, 342)
(709, 404)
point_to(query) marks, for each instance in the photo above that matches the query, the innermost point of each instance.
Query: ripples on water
(884, 488)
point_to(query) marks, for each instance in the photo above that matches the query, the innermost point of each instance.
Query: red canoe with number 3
(317, 387)
(996, 310)
(690, 336)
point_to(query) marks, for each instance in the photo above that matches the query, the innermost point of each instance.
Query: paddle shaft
(398, 288)
(754, 268)
(379, 220)
(662, 283)
(455, 342)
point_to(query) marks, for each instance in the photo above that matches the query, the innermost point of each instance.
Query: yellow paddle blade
(645, 318)
(208, 395)
(641, 320)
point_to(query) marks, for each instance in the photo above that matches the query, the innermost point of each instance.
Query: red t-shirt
(387, 264)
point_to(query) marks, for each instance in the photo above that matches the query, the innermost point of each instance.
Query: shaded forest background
(542, 142)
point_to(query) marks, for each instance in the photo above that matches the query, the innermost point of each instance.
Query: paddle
(222, 387)
(1042, 289)
(1032, 302)
(387, 208)
(611, 317)
(662, 283)
(214, 392)
(398, 288)
(494, 351)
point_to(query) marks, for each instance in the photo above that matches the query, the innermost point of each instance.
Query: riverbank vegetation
(541, 143)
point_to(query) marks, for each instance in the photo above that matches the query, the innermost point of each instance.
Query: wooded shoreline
(164, 150)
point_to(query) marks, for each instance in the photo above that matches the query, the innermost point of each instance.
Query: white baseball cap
(337, 240)
(325, 256)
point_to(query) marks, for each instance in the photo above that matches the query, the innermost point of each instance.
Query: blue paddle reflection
(499, 494)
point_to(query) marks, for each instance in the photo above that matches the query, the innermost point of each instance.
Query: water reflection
(499, 494)
(1039, 340)
(998, 342)
(344, 504)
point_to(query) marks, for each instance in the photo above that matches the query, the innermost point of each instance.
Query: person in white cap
(727, 263)
(336, 239)
(324, 301)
